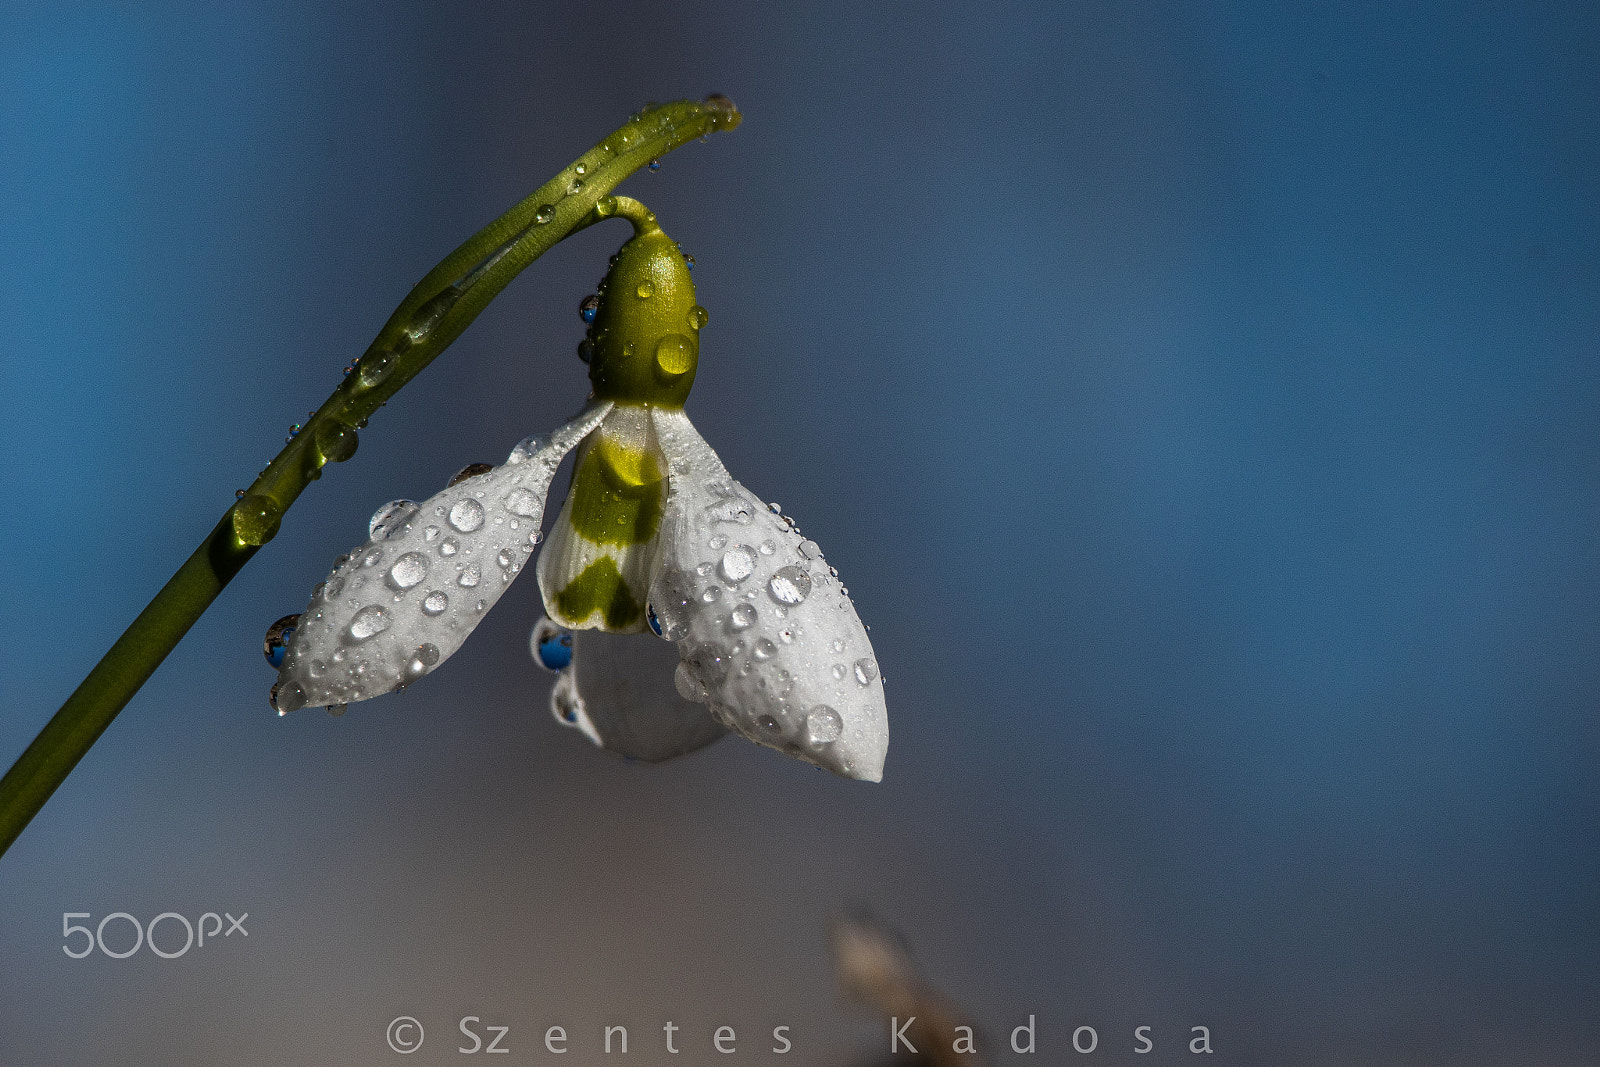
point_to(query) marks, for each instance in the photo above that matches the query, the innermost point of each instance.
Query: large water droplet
(466, 515)
(421, 661)
(408, 570)
(738, 563)
(368, 622)
(256, 519)
(742, 617)
(277, 639)
(389, 518)
(287, 697)
(866, 669)
(551, 645)
(471, 470)
(525, 503)
(823, 725)
(698, 317)
(789, 585)
(336, 441)
(448, 547)
(674, 355)
(709, 664)
(375, 367)
(589, 307)
(435, 603)
(505, 559)
(810, 550)
(544, 214)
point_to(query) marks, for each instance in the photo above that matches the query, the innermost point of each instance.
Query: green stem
(431, 316)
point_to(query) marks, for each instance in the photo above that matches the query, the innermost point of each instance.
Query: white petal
(573, 558)
(766, 634)
(397, 607)
(619, 693)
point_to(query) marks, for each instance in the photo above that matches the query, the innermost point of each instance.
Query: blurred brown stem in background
(875, 968)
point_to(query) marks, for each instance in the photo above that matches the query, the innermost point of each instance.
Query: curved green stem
(432, 315)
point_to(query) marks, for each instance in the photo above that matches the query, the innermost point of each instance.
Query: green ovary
(599, 588)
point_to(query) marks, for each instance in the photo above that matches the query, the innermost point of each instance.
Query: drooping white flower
(656, 542)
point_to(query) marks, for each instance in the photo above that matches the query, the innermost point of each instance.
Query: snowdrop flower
(678, 604)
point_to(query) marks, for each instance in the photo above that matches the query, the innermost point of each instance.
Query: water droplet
(287, 697)
(256, 519)
(823, 725)
(768, 723)
(605, 208)
(743, 617)
(448, 547)
(535, 537)
(408, 570)
(238, 494)
(866, 669)
(838, 672)
(580, 169)
(731, 510)
(655, 164)
(505, 559)
(589, 307)
(719, 542)
(389, 518)
(586, 351)
(689, 688)
(645, 290)
(688, 261)
(523, 502)
(790, 585)
(369, 621)
(810, 550)
(551, 645)
(435, 603)
(709, 664)
(575, 186)
(651, 618)
(544, 214)
(674, 354)
(466, 515)
(737, 564)
(471, 470)
(375, 367)
(470, 576)
(698, 316)
(373, 558)
(768, 547)
(336, 441)
(775, 507)
(422, 660)
(764, 649)
(712, 594)
(836, 646)
(277, 639)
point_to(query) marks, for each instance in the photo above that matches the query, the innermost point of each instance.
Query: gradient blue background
(1200, 400)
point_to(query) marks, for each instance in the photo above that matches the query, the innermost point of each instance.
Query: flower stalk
(432, 315)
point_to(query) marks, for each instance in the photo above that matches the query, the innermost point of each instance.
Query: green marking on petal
(599, 588)
(617, 494)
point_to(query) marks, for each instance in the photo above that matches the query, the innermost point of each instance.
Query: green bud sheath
(646, 332)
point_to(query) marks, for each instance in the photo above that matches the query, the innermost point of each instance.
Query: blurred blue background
(1198, 398)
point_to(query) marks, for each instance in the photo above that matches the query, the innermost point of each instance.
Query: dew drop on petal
(449, 547)
(789, 585)
(277, 639)
(765, 649)
(866, 669)
(810, 549)
(712, 594)
(768, 723)
(698, 316)
(435, 603)
(287, 698)
(466, 515)
(838, 672)
(373, 558)
(837, 645)
(743, 617)
(470, 576)
(719, 542)
(645, 290)
(408, 570)
(522, 502)
(551, 645)
(389, 518)
(709, 664)
(823, 725)
(369, 621)
(737, 563)
(589, 307)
